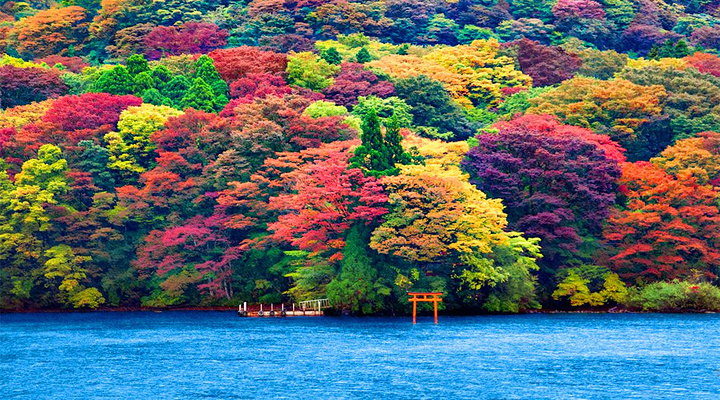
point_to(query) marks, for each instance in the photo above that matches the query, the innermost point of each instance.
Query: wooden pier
(309, 308)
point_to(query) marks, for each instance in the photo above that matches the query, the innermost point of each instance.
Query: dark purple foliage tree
(555, 185)
(547, 65)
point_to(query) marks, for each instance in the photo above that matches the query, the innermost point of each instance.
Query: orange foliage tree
(50, 31)
(705, 63)
(667, 229)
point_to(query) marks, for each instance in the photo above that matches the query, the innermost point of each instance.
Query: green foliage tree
(363, 56)
(115, 81)
(200, 96)
(371, 156)
(66, 267)
(310, 71)
(153, 96)
(205, 70)
(161, 75)
(176, 89)
(26, 219)
(124, 166)
(591, 285)
(385, 109)
(94, 159)
(143, 82)
(432, 106)
(137, 64)
(332, 56)
(358, 288)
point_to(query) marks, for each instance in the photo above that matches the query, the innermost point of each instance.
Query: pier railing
(307, 308)
(317, 304)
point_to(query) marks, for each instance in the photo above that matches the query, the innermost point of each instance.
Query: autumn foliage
(510, 154)
(667, 228)
(556, 181)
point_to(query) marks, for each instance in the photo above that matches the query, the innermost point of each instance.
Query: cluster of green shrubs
(203, 90)
(674, 296)
(596, 286)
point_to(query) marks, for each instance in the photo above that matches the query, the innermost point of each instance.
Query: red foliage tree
(325, 200)
(705, 63)
(667, 229)
(259, 85)
(184, 132)
(5, 135)
(187, 254)
(555, 181)
(88, 111)
(20, 86)
(354, 81)
(189, 38)
(298, 130)
(72, 64)
(549, 125)
(130, 40)
(287, 43)
(641, 38)
(568, 11)
(706, 36)
(71, 119)
(236, 63)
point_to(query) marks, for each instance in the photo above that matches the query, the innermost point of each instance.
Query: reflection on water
(218, 355)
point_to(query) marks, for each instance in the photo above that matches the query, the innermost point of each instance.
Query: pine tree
(393, 142)
(200, 97)
(681, 49)
(332, 56)
(654, 53)
(176, 89)
(161, 75)
(363, 56)
(205, 69)
(371, 155)
(94, 160)
(378, 154)
(357, 287)
(667, 49)
(137, 64)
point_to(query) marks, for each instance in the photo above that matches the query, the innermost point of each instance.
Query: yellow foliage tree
(436, 215)
(699, 157)
(19, 116)
(473, 74)
(137, 123)
(50, 31)
(617, 107)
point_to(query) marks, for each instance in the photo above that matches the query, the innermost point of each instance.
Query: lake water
(184, 354)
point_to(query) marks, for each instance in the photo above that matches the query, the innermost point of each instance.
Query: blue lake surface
(194, 355)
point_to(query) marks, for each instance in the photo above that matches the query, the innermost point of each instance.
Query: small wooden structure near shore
(309, 308)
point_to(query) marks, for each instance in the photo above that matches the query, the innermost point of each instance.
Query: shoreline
(613, 310)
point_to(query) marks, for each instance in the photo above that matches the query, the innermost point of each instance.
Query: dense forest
(512, 154)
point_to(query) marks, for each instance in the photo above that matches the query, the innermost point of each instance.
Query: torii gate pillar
(434, 297)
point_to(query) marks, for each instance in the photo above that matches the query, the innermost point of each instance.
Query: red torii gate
(434, 297)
